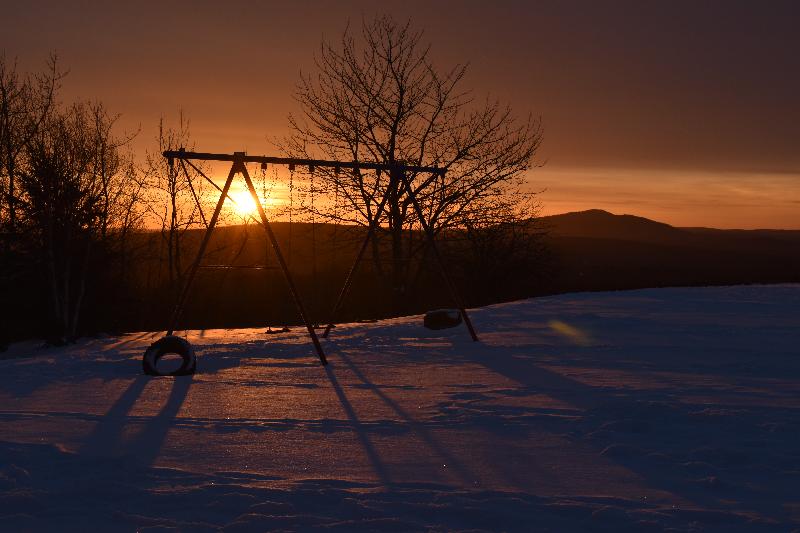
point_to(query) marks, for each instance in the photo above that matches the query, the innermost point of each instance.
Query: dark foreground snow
(641, 410)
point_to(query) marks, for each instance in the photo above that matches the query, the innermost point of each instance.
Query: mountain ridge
(598, 223)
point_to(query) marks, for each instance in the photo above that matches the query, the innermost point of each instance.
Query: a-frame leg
(176, 315)
(432, 240)
(349, 279)
(283, 265)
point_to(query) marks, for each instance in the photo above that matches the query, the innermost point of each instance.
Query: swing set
(398, 177)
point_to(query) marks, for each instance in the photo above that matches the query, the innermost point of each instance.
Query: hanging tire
(167, 345)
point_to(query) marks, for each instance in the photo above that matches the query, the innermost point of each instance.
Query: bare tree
(75, 191)
(173, 199)
(380, 98)
(122, 186)
(25, 102)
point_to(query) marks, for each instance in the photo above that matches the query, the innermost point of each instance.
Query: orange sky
(722, 199)
(685, 112)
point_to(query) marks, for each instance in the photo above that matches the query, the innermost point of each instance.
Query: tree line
(73, 197)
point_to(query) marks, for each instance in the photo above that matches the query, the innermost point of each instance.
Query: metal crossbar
(244, 158)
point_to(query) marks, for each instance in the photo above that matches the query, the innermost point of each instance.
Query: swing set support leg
(400, 175)
(349, 279)
(282, 262)
(439, 260)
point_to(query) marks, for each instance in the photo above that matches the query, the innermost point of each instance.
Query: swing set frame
(397, 178)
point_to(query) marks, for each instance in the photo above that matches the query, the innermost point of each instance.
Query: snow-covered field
(651, 409)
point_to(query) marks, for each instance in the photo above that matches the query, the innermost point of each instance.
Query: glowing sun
(245, 205)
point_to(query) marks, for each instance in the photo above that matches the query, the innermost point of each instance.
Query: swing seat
(167, 345)
(442, 318)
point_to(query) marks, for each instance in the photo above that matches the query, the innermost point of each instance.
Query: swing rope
(314, 280)
(285, 329)
(266, 193)
(291, 210)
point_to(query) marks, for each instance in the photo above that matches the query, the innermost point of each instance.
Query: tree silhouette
(25, 102)
(171, 200)
(380, 98)
(77, 191)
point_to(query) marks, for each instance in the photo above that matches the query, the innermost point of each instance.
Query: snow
(643, 410)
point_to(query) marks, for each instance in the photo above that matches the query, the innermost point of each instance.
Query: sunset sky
(683, 111)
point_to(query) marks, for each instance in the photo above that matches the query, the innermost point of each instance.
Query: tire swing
(172, 344)
(169, 345)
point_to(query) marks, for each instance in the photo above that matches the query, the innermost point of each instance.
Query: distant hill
(585, 251)
(602, 224)
(598, 250)
(597, 223)
(588, 250)
(769, 234)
